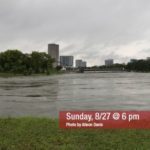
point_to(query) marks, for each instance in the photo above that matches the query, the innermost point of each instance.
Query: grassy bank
(43, 134)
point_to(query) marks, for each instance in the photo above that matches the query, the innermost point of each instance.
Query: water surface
(47, 95)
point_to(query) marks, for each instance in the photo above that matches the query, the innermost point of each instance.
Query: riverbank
(7, 75)
(43, 133)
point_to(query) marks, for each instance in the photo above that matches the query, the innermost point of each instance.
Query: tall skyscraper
(66, 61)
(53, 51)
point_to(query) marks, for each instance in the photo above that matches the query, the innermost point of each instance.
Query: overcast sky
(93, 30)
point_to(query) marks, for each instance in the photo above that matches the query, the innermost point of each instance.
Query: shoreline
(11, 75)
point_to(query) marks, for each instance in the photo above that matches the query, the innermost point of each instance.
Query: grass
(44, 134)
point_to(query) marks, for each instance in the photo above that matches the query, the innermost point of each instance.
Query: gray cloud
(93, 29)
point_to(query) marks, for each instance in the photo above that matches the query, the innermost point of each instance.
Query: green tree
(15, 61)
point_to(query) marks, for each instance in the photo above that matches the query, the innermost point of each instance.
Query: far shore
(7, 75)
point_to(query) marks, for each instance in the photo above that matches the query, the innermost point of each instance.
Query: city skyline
(92, 31)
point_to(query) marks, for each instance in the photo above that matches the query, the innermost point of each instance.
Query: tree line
(142, 65)
(14, 61)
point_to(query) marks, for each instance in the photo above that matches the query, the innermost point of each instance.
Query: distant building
(80, 63)
(66, 61)
(109, 62)
(83, 63)
(53, 51)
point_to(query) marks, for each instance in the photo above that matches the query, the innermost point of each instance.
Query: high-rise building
(80, 63)
(53, 51)
(109, 62)
(66, 61)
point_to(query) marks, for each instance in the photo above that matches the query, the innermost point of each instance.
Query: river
(47, 95)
